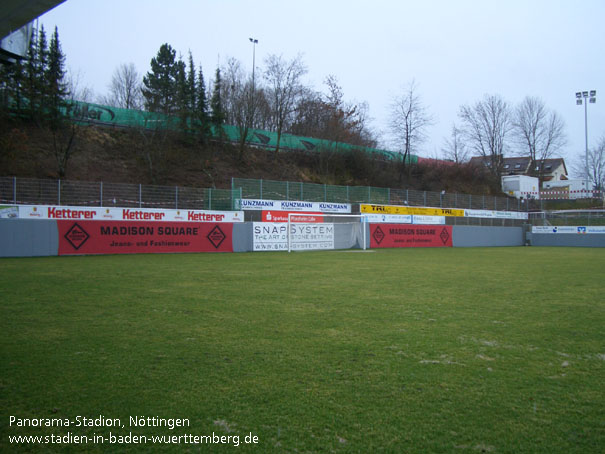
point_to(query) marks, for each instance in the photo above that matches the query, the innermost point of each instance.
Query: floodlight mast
(584, 97)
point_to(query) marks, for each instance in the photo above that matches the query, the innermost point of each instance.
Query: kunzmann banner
(398, 235)
(126, 214)
(125, 237)
(289, 205)
(569, 229)
(273, 236)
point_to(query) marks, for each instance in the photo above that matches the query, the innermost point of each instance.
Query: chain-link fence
(82, 193)
(287, 190)
(568, 217)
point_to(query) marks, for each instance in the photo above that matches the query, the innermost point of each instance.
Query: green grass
(410, 350)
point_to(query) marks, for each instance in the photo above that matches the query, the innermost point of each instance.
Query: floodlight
(578, 94)
(585, 94)
(593, 93)
(579, 102)
(593, 100)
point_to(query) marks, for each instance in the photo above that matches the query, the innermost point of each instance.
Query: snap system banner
(131, 237)
(398, 235)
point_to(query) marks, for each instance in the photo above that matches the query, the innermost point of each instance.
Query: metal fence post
(176, 197)
(140, 195)
(210, 198)
(261, 188)
(14, 190)
(369, 195)
(325, 192)
(101, 193)
(58, 192)
(424, 198)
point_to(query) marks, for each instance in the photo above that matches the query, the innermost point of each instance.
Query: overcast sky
(456, 51)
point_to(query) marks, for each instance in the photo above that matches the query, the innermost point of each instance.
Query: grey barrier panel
(28, 238)
(243, 237)
(475, 236)
(567, 239)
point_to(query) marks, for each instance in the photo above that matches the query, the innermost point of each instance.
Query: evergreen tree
(217, 113)
(182, 94)
(35, 70)
(201, 107)
(191, 87)
(55, 90)
(159, 84)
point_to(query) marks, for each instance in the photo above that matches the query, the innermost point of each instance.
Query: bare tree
(487, 125)
(239, 99)
(454, 148)
(409, 121)
(284, 88)
(596, 165)
(539, 132)
(125, 88)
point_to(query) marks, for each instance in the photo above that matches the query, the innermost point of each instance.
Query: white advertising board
(495, 214)
(376, 218)
(126, 214)
(582, 230)
(273, 236)
(289, 205)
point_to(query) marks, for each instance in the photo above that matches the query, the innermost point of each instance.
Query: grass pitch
(409, 350)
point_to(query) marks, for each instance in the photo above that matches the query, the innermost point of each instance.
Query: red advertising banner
(282, 216)
(132, 237)
(400, 235)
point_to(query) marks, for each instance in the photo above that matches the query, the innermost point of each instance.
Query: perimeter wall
(37, 238)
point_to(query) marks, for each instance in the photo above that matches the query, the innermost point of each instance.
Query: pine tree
(217, 114)
(201, 107)
(159, 84)
(55, 91)
(182, 94)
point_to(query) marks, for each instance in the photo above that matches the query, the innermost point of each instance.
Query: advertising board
(495, 214)
(282, 216)
(581, 230)
(422, 211)
(126, 214)
(126, 237)
(273, 236)
(397, 235)
(289, 205)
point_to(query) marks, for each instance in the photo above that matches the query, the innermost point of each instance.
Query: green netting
(311, 192)
(114, 116)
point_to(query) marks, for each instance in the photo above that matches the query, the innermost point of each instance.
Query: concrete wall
(567, 239)
(34, 238)
(28, 238)
(474, 236)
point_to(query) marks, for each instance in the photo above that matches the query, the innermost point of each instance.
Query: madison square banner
(132, 237)
(399, 235)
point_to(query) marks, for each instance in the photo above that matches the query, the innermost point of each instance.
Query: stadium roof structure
(14, 14)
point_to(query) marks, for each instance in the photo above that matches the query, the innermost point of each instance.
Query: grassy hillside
(133, 156)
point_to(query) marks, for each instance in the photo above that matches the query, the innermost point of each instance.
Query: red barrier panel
(131, 237)
(400, 235)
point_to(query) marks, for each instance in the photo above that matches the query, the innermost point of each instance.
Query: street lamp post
(584, 97)
(254, 43)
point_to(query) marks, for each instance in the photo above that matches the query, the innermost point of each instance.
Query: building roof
(522, 165)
